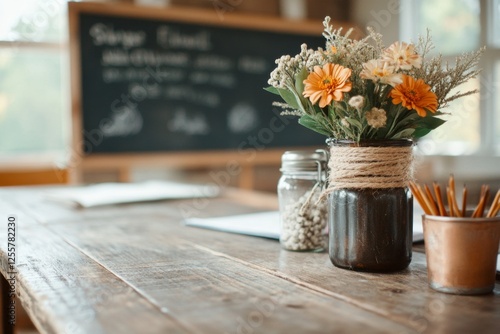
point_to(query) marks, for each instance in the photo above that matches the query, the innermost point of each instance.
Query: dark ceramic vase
(371, 229)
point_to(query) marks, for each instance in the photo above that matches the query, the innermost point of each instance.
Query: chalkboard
(155, 83)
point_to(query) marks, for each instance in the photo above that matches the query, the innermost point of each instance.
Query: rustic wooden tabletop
(137, 269)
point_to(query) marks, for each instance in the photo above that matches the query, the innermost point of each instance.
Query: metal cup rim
(460, 219)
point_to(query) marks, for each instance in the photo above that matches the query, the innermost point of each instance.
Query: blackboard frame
(190, 159)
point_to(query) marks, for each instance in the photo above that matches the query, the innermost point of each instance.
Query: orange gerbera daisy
(327, 83)
(416, 95)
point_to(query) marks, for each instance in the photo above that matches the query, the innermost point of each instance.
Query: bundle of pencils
(434, 204)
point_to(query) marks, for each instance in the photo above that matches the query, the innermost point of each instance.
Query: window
(494, 45)
(34, 78)
(494, 24)
(458, 26)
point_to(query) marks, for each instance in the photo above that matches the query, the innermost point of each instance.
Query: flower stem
(393, 123)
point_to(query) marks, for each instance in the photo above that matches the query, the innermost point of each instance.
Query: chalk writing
(254, 65)
(103, 34)
(155, 85)
(242, 118)
(189, 94)
(214, 62)
(123, 122)
(170, 38)
(194, 124)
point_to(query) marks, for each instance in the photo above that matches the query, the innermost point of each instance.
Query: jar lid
(304, 161)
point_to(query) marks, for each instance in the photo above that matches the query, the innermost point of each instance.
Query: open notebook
(118, 193)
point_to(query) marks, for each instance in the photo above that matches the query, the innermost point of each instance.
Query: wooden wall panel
(316, 9)
(265, 7)
(338, 10)
(33, 177)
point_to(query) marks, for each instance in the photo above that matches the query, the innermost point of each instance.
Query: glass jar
(303, 217)
(370, 229)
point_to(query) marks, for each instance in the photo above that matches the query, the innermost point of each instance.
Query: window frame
(488, 99)
(55, 156)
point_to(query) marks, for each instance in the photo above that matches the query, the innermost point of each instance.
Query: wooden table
(137, 269)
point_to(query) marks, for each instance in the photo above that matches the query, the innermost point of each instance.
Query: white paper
(418, 229)
(117, 193)
(263, 224)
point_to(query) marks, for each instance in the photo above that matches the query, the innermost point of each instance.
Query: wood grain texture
(66, 292)
(194, 280)
(403, 297)
(211, 293)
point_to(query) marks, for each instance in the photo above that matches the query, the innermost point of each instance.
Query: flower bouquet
(358, 89)
(372, 102)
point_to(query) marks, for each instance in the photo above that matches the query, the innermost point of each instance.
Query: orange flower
(327, 84)
(416, 95)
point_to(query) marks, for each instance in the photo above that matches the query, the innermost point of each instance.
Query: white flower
(357, 102)
(402, 55)
(344, 122)
(376, 117)
(379, 70)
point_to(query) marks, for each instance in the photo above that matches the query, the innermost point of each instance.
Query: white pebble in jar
(303, 224)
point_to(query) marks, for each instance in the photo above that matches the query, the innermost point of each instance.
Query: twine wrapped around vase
(369, 167)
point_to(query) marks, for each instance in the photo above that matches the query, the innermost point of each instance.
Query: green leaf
(406, 133)
(272, 89)
(289, 98)
(409, 119)
(299, 80)
(299, 84)
(354, 122)
(426, 124)
(287, 95)
(408, 116)
(317, 109)
(431, 122)
(332, 115)
(370, 87)
(420, 132)
(312, 124)
(349, 134)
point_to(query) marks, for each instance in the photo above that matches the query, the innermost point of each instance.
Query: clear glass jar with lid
(303, 218)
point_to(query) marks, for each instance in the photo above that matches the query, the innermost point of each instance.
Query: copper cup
(461, 253)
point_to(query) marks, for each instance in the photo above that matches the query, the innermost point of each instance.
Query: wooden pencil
(433, 203)
(495, 206)
(427, 201)
(437, 191)
(464, 201)
(419, 198)
(431, 200)
(450, 202)
(456, 210)
(479, 210)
